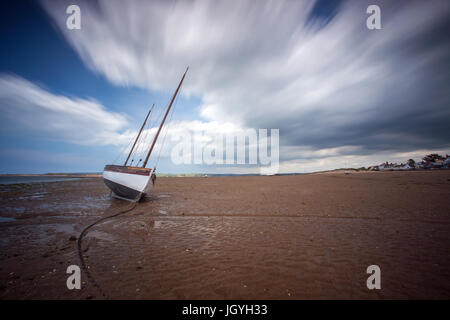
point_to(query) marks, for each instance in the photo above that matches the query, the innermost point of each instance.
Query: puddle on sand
(86, 203)
(101, 235)
(13, 209)
(164, 224)
(35, 195)
(38, 203)
(103, 197)
(157, 224)
(53, 228)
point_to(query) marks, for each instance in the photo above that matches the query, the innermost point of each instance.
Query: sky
(340, 94)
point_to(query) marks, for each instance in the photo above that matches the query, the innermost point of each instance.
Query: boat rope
(167, 130)
(140, 139)
(143, 144)
(138, 152)
(125, 148)
(140, 144)
(152, 137)
(80, 251)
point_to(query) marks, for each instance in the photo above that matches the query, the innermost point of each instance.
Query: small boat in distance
(131, 182)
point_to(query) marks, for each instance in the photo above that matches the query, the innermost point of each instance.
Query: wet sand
(278, 237)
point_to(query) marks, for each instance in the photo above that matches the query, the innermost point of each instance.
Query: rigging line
(146, 142)
(144, 136)
(124, 149)
(80, 251)
(158, 120)
(141, 145)
(141, 142)
(135, 147)
(156, 123)
(167, 130)
(150, 126)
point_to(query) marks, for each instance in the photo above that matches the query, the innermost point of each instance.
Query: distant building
(431, 161)
(447, 162)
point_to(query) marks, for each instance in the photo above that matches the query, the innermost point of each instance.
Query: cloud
(28, 108)
(328, 83)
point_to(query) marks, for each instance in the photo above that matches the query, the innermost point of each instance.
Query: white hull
(136, 182)
(124, 185)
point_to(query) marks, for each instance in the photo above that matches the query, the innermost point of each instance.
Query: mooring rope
(80, 251)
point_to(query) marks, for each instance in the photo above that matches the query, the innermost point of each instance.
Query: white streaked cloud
(29, 108)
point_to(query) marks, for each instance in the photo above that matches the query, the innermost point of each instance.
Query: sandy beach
(274, 237)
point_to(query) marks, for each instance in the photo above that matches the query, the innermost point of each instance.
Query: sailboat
(128, 182)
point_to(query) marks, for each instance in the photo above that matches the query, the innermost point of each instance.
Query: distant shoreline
(179, 175)
(68, 175)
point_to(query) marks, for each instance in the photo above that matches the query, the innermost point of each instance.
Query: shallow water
(63, 198)
(32, 179)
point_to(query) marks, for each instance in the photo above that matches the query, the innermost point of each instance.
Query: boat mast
(164, 119)
(139, 134)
